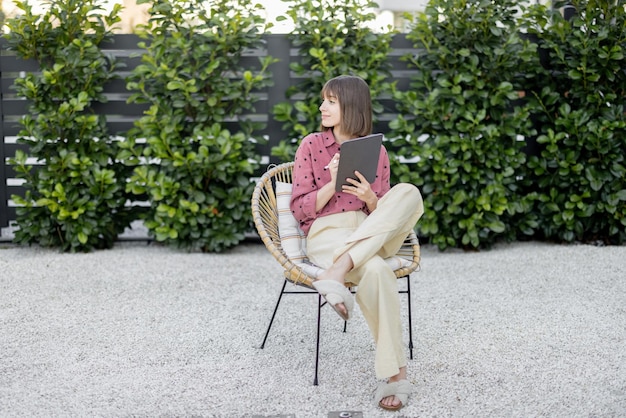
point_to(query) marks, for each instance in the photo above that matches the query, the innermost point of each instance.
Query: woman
(349, 233)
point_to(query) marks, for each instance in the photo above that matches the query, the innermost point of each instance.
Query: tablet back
(359, 154)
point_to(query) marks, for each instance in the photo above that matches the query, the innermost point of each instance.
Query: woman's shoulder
(315, 136)
(314, 140)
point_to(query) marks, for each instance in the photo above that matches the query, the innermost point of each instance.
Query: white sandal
(400, 389)
(335, 293)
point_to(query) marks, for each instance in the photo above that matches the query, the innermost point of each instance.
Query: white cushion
(293, 239)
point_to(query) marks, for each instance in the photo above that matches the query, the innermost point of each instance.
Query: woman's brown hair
(355, 104)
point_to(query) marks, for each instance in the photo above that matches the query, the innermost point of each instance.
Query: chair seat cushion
(293, 239)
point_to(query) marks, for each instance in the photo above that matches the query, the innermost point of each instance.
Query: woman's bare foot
(337, 272)
(393, 401)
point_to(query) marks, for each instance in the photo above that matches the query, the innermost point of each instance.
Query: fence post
(4, 207)
(278, 46)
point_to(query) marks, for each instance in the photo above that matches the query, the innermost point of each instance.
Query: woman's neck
(340, 137)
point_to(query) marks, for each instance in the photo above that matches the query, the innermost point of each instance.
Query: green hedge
(580, 172)
(198, 181)
(75, 201)
(480, 87)
(462, 119)
(514, 119)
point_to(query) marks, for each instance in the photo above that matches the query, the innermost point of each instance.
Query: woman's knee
(410, 193)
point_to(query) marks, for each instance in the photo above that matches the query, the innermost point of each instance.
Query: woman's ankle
(400, 376)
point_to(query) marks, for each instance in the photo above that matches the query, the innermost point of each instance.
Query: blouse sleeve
(384, 168)
(304, 193)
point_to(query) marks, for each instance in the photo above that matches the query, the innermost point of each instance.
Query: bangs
(331, 89)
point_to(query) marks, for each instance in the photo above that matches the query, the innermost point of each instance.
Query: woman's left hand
(361, 189)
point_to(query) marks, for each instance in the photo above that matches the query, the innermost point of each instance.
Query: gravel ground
(523, 330)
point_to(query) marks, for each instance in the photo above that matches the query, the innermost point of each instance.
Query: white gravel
(526, 329)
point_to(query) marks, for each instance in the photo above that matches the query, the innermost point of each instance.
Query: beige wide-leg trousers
(369, 240)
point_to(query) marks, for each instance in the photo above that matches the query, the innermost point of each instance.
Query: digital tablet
(359, 154)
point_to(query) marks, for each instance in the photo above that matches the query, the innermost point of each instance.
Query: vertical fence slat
(278, 46)
(4, 216)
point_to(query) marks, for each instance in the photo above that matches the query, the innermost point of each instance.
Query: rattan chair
(297, 271)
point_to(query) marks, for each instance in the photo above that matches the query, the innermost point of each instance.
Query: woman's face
(331, 112)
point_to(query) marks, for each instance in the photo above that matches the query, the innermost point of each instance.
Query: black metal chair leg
(282, 292)
(320, 303)
(408, 293)
(345, 323)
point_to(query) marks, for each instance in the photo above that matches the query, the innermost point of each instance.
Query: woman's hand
(362, 190)
(332, 168)
(326, 192)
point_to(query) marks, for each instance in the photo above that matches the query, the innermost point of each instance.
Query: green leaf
(82, 238)
(175, 85)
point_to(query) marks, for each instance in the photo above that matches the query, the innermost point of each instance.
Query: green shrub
(463, 121)
(198, 156)
(74, 199)
(332, 38)
(580, 173)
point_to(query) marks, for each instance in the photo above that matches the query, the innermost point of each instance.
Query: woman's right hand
(326, 192)
(333, 165)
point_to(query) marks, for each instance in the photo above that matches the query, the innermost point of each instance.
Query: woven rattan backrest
(265, 216)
